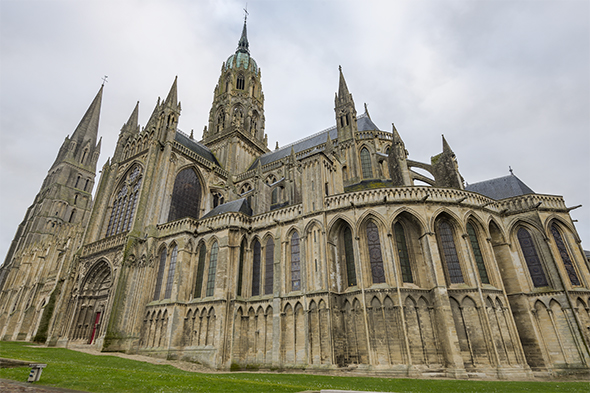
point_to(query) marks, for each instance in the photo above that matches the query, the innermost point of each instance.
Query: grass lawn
(76, 370)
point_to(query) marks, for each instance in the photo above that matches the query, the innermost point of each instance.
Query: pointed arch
(200, 269)
(531, 257)
(448, 250)
(212, 269)
(186, 195)
(241, 266)
(171, 272)
(476, 250)
(562, 248)
(295, 259)
(366, 165)
(256, 257)
(269, 251)
(124, 201)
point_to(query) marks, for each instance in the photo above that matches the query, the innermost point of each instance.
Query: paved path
(8, 386)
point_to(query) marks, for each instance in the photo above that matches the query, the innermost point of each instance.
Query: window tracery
(349, 257)
(125, 203)
(449, 252)
(256, 268)
(402, 252)
(269, 267)
(375, 256)
(366, 166)
(212, 269)
(481, 267)
(295, 263)
(532, 258)
(171, 271)
(186, 196)
(565, 257)
(200, 271)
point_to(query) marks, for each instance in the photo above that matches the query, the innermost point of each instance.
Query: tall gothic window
(125, 203)
(532, 258)
(212, 269)
(200, 270)
(171, 271)
(186, 196)
(256, 268)
(295, 263)
(375, 257)
(366, 164)
(449, 252)
(240, 83)
(160, 278)
(402, 252)
(481, 267)
(269, 266)
(349, 256)
(565, 257)
(241, 267)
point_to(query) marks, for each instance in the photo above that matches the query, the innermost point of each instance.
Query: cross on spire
(104, 79)
(510, 170)
(246, 13)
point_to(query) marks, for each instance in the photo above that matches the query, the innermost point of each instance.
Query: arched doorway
(92, 301)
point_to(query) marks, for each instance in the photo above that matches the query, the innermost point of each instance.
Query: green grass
(76, 370)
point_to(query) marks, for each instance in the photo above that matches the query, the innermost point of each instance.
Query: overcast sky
(506, 82)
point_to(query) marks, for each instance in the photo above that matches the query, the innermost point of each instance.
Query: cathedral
(336, 252)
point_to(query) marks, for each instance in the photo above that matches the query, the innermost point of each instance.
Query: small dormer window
(240, 82)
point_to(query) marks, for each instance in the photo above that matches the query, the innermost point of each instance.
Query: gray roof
(364, 123)
(501, 187)
(239, 205)
(195, 146)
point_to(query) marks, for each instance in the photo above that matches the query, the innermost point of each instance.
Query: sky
(506, 82)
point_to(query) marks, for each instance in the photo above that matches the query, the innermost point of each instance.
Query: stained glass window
(269, 267)
(532, 258)
(366, 163)
(256, 268)
(449, 252)
(349, 255)
(171, 271)
(241, 267)
(161, 268)
(295, 263)
(125, 203)
(186, 196)
(212, 269)
(375, 256)
(200, 270)
(402, 251)
(565, 257)
(481, 267)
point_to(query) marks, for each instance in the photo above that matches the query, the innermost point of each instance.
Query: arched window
(240, 82)
(402, 252)
(200, 270)
(77, 181)
(375, 257)
(275, 196)
(220, 120)
(269, 266)
(565, 257)
(186, 196)
(217, 199)
(349, 256)
(72, 216)
(125, 203)
(532, 258)
(366, 164)
(161, 269)
(256, 268)
(212, 269)
(481, 267)
(171, 271)
(449, 252)
(295, 263)
(241, 267)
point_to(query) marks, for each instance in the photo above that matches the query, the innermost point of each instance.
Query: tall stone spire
(172, 98)
(88, 127)
(343, 93)
(345, 111)
(243, 45)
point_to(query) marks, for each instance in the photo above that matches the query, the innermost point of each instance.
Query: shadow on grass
(81, 371)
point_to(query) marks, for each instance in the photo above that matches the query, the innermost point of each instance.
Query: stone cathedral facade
(332, 252)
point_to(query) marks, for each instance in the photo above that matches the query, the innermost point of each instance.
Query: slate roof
(364, 123)
(195, 146)
(239, 205)
(501, 187)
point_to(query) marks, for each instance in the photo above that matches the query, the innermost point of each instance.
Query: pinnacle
(172, 98)
(342, 88)
(134, 118)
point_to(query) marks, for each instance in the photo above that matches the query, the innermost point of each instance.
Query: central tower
(235, 133)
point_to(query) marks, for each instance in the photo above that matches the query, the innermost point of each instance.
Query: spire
(446, 147)
(132, 124)
(342, 88)
(88, 127)
(329, 145)
(172, 98)
(243, 42)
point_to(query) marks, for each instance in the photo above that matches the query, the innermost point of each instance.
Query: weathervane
(104, 79)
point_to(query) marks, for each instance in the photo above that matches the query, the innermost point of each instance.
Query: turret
(446, 169)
